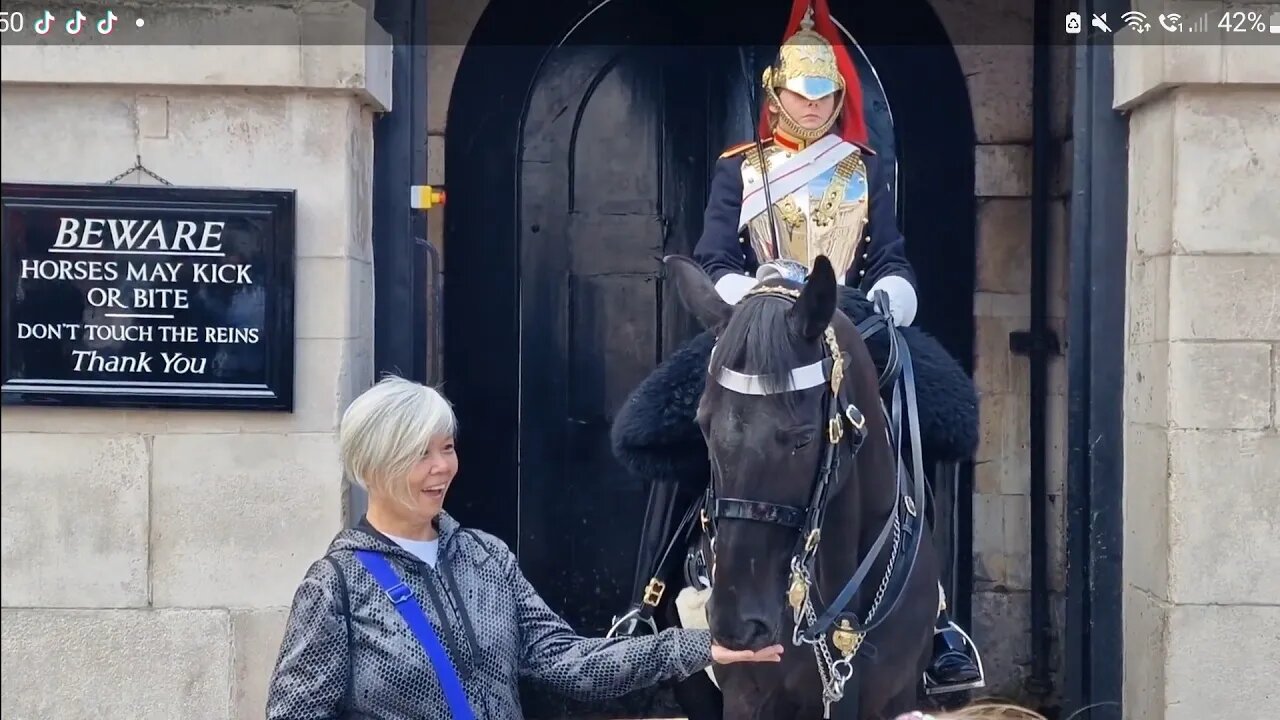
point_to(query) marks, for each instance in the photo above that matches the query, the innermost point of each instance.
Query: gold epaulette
(739, 149)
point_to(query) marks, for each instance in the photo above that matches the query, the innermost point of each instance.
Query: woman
(409, 615)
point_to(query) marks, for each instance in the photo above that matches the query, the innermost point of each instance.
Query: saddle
(656, 438)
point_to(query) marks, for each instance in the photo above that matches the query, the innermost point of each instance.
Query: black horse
(817, 534)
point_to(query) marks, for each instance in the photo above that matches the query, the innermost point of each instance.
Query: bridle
(845, 426)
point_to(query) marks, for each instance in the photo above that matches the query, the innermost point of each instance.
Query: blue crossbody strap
(402, 597)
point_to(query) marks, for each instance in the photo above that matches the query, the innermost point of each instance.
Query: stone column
(1202, 449)
(150, 556)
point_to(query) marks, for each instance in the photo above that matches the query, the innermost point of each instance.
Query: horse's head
(767, 414)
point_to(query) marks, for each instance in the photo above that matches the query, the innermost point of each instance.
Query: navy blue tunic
(722, 249)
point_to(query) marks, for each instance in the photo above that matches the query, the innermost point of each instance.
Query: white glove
(732, 287)
(902, 298)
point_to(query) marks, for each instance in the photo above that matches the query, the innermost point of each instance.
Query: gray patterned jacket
(348, 654)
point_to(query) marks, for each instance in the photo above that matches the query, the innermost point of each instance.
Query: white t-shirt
(424, 550)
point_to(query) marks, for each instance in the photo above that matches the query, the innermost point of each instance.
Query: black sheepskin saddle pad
(656, 438)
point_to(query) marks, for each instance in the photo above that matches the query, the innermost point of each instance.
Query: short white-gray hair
(387, 429)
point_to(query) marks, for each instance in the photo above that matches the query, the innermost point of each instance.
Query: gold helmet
(807, 66)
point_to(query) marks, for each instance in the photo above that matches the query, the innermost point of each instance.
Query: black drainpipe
(1037, 344)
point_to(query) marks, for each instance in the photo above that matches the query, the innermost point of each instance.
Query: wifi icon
(1136, 20)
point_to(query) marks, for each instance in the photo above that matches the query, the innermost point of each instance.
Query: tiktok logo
(73, 25)
(107, 24)
(43, 24)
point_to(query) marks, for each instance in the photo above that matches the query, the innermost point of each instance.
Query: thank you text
(129, 295)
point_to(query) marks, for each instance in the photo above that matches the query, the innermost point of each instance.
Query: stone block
(991, 431)
(1224, 297)
(1002, 171)
(442, 69)
(1017, 541)
(989, 563)
(1146, 509)
(255, 646)
(1145, 70)
(991, 356)
(1000, 628)
(1151, 180)
(1004, 246)
(317, 145)
(1015, 453)
(1251, 64)
(435, 160)
(1275, 386)
(1223, 491)
(996, 368)
(450, 24)
(1147, 384)
(75, 519)
(334, 298)
(1146, 640)
(1217, 661)
(237, 519)
(1057, 416)
(1220, 386)
(999, 79)
(1225, 174)
(44, 117)
(136, 664)
(1147, 304)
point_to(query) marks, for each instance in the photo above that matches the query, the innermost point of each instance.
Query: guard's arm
(887, 267)
(310, 678)
(719, 250)
(598, 668)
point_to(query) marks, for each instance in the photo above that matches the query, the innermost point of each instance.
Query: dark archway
(571, 171)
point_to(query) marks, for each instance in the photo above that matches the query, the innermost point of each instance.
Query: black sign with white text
(148, 296)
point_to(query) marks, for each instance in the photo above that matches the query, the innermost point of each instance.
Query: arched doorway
(572, 169)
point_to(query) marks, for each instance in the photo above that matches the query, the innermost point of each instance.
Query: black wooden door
(613, 176)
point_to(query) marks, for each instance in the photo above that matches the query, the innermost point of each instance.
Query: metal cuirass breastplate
(826, 216)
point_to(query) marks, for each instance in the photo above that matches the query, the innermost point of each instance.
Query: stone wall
(1202, 429)
(150, 556)
(1000, 81)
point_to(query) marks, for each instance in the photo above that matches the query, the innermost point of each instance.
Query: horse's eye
(798, 437)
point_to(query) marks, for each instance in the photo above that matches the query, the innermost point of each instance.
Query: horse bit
(808, 628)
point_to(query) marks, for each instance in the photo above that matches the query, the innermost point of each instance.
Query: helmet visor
(811, 87)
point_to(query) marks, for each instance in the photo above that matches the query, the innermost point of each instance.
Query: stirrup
(932, 689)
(628, 623)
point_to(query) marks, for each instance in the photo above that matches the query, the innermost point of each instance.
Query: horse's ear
(696, 291)
(812, 313)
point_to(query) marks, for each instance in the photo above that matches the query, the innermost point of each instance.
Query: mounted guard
(810, 186)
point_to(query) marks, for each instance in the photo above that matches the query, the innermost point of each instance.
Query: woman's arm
(313, 668)
(598, 668)
(887, 267)
(720, 250)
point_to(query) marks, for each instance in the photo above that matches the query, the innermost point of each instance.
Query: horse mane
(757, 340)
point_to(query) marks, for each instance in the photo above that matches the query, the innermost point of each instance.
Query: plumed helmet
(814, 63)
(806, 65)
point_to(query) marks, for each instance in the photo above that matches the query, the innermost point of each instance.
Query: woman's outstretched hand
(725, 656)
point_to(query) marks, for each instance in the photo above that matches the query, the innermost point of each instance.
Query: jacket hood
(366, 537)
